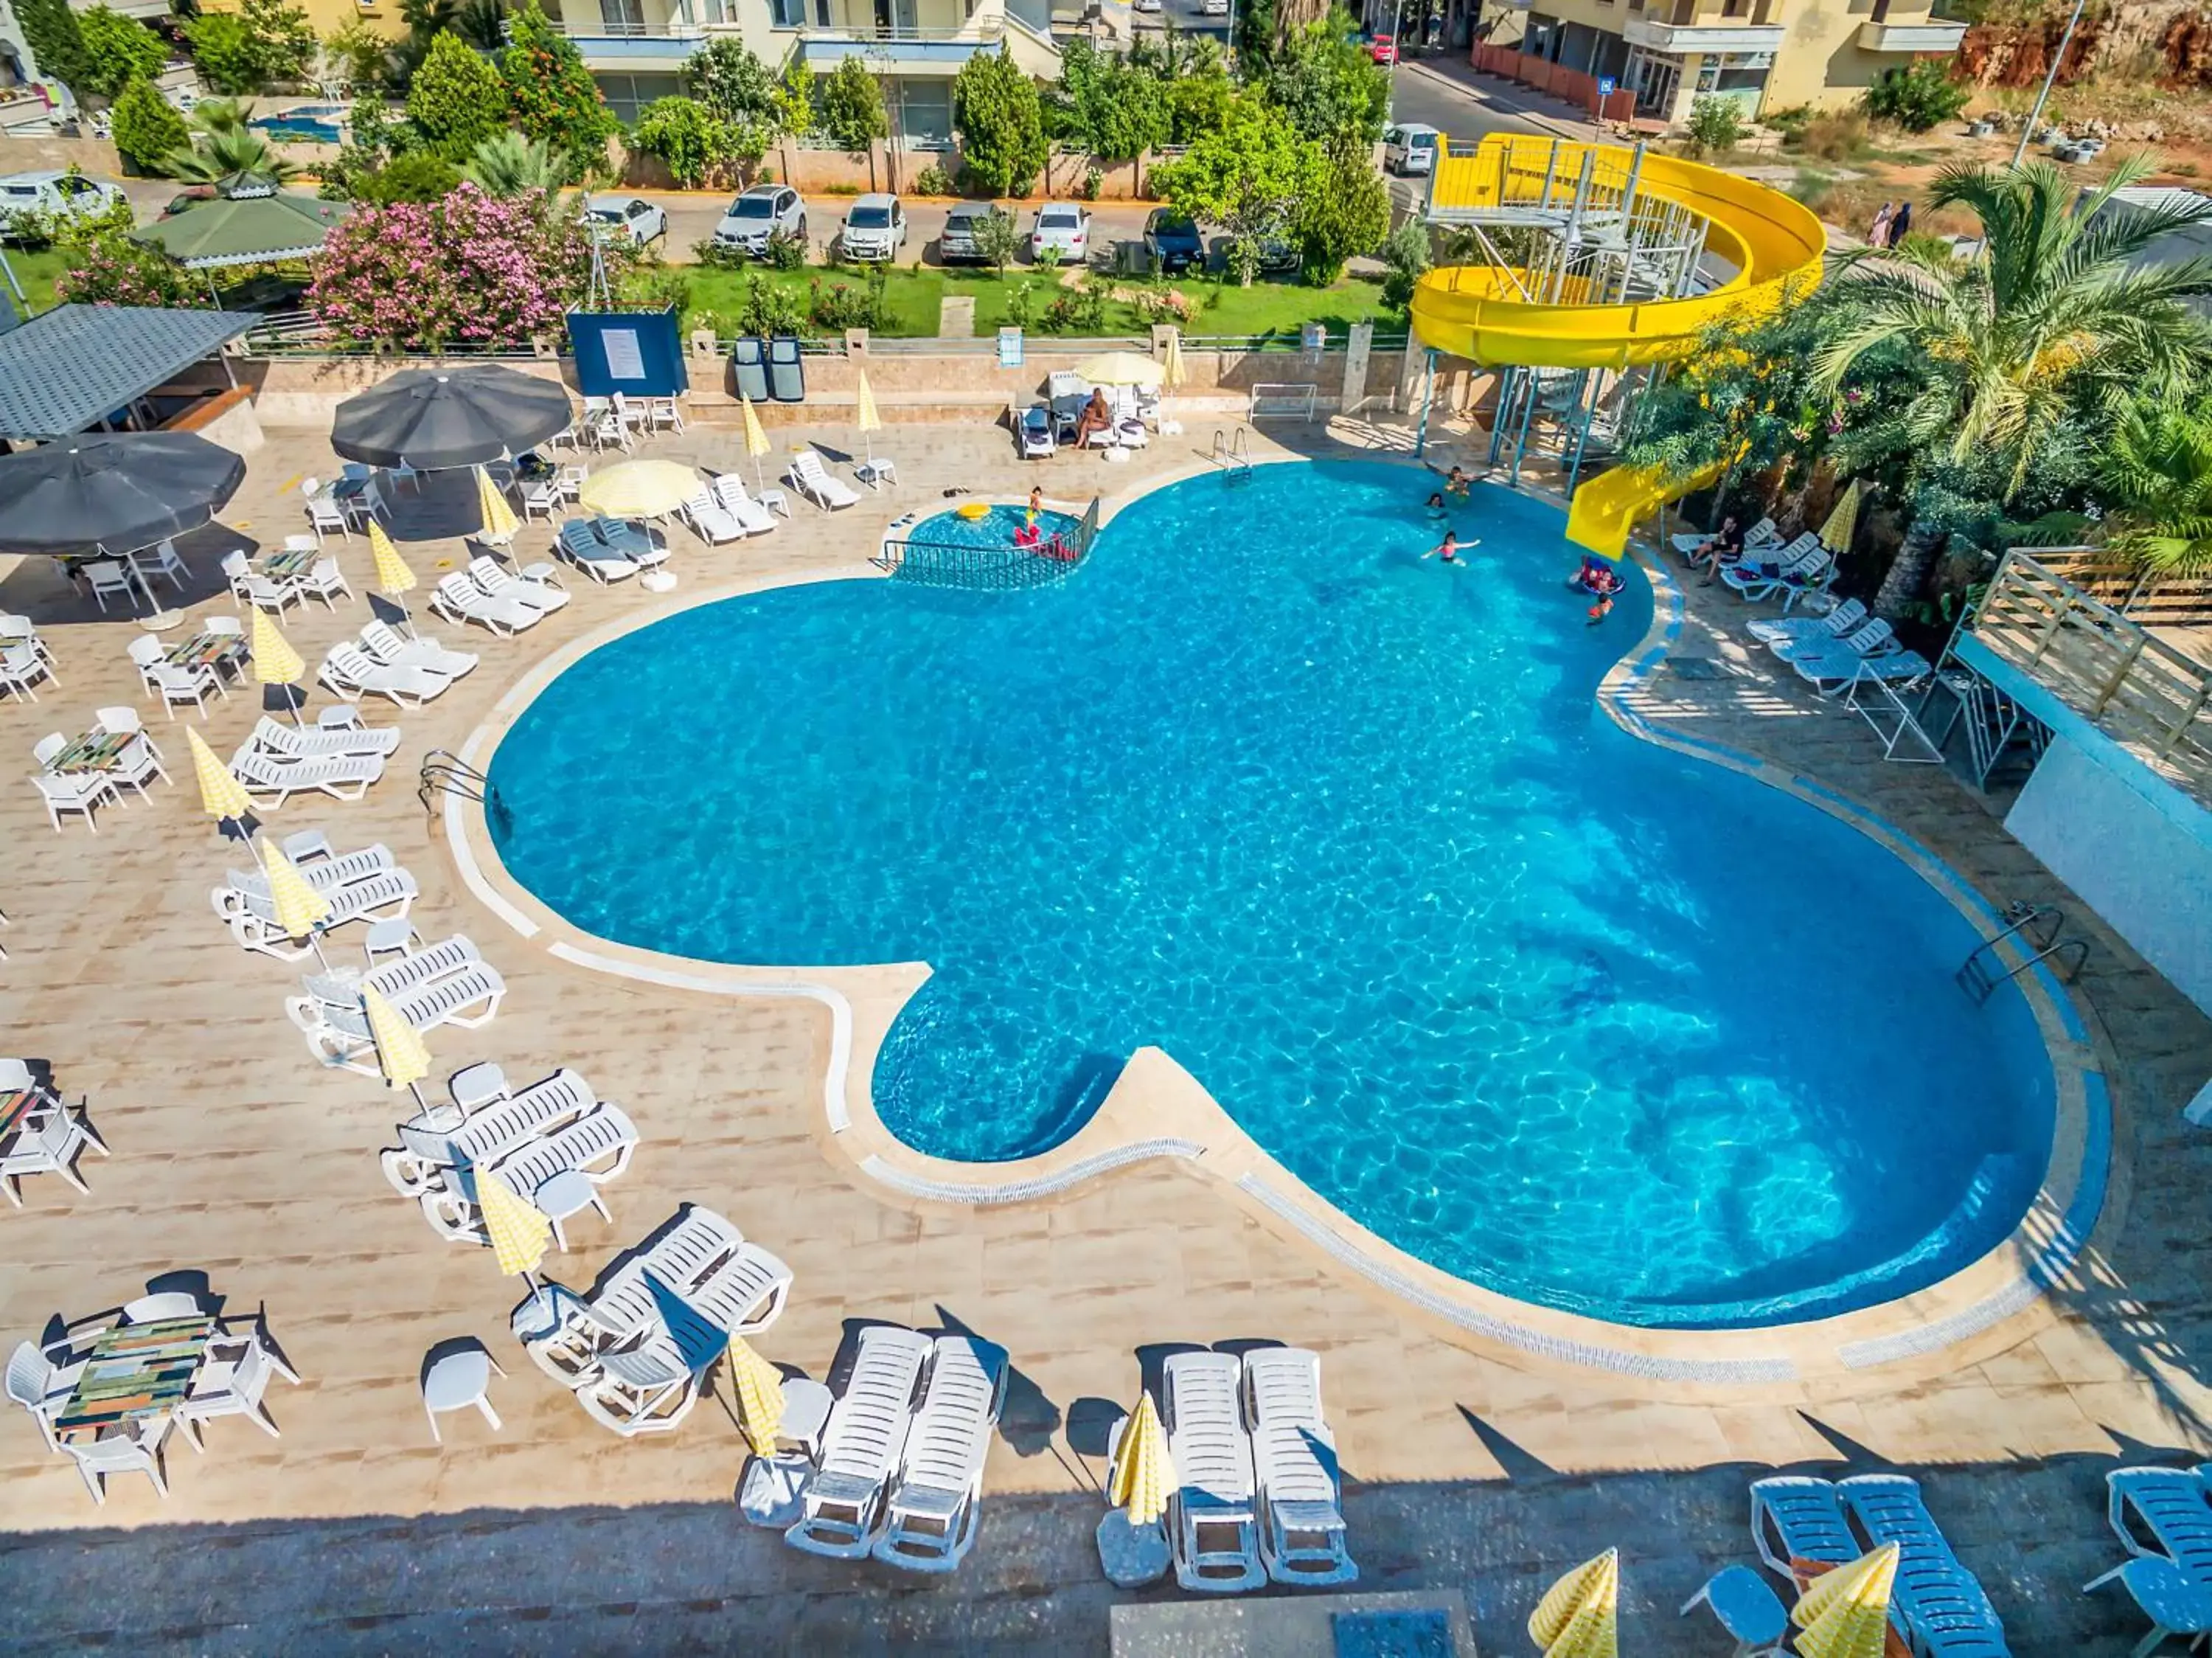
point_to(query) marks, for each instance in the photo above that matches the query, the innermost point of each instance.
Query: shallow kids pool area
(1588, 1022)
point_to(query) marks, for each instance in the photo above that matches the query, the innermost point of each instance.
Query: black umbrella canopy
(430, 418)
(120, 491)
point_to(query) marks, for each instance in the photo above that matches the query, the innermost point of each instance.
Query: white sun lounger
(324, 874)
(576, 543)
(1301, 1532)
(290, 742)
(1212, 1516)
(1872, 637)
(597, 1146)
(753, 516)
(351, 671)
(861, 1445)
(712, 524)
(342, 777)
(1766, 570)
(745, 1294)
(382, 642)
(1761, 534)
(504, 1124)
(930, 1520)
(460, 600)
(410, 973)
(809, 477)
(1778, 631)
(646, 1389)
(566, 1334)
(494, 581)
(340, 1036)
(1834, 673)
(253, 918)
(1948, 1614)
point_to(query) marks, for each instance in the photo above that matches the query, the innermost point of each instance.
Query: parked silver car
(764, 210)
(875, 229)
(625, 218)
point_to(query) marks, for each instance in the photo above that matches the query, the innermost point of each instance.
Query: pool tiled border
(1158, 1117)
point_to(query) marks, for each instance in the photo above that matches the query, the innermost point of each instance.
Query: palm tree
(482, 23)
(2053, 317)
(225, 146)
(2157, 469)
(508, 164)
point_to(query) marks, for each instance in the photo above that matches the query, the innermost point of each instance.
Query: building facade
(636, 49)
(1766, 55)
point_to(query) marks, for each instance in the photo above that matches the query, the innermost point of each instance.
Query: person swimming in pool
(1434, 506)
(1449, 550)
(1601, 582)
(1458, 483)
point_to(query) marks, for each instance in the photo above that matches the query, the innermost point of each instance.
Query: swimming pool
(306, 123)
(1580, 1020)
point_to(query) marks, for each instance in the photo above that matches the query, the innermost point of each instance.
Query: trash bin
(749, 363)
(786, 375)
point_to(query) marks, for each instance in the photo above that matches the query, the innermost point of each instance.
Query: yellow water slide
(1482, 312)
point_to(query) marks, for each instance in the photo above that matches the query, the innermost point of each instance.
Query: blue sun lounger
(2171, 1577)
(1947, 1614)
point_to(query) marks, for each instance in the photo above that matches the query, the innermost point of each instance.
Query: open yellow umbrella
(1579, 1615)
(756, 443)
(870, 420)
(639, 489)
(299, 910)
(1171, 368)
(759, 1387)
(499, 521)
(1144, 1473)
(399, 1046)
(1836, 533)
(221, 795)
(1120, 369)
(518, 1233)
(274, 661)
(1846, 1613)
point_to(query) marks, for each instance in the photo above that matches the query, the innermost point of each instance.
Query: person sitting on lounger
(1723, 546)
(1096, 417)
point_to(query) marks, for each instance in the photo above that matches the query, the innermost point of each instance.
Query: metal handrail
(1975, 975)
(444, 772)
(931, 563)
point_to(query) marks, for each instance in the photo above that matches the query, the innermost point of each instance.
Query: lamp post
(2049, 78)
(1397, 49)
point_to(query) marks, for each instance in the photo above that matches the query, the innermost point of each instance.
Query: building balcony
(1703, 34)
(1929, 34)
(915, 51)
(144, 8)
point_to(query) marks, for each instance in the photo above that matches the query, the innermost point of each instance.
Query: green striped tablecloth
(136, 1370)
(96, 751)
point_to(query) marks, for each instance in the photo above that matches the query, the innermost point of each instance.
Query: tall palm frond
(508, 164)
(2157, 467)
(224, 151)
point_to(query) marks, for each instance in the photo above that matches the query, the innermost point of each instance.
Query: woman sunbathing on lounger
(1096, 417)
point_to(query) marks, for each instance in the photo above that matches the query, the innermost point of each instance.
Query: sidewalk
(1521, 103)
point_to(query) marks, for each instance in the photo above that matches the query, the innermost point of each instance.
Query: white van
(1410, 148)
(54, 192)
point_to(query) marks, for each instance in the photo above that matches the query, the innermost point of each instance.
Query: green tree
(794, 105)
(103, 264)
(2156, 471)
(1405, 260)
(1716, 124)
(423, 176)
(1000, 120)
(1106, 104)
(734, 85)
(147, 127)
(50, 28)
(361, 57)
(285, 38)
(998, 239)
(848, 108)
(1248, 178)
(551, 95)
(118, 50)
(1198, 103)
(456, 99)
(1345, 212)
(1918, 97)
(223, 144)
(1323, 81)
(683, 135)
(482, 23)
(508, 164)
(228, 54)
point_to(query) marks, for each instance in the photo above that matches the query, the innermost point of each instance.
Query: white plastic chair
(541, 499)
(325, 514)
(109, 575)
(159, 559)
(22, 667)
(73, 795)
(136, 764)
(232, 1378)
(50, 1142)
(138, 1450)
(662, 412)
(174, 684)
(255, 590)
(324, 579)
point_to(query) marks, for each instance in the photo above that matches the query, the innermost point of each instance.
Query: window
(925, 114)
(788, 14)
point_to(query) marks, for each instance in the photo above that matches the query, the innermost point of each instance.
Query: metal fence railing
(305, 336)
(932, 562)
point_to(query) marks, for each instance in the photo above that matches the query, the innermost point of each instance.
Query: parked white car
(1061, 235)
(54, 192)
(875, 229)
(614, 217)
(764, 210)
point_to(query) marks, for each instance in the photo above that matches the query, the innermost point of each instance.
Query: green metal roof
(246, 229)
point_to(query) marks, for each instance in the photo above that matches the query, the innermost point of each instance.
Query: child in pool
(1448, 550)
(1601, 582)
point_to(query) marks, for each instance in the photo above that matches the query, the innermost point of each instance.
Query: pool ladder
(2035, 926)
(446, 773)
(1229, 455)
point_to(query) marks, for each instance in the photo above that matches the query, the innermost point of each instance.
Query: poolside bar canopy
(69, 368)
(250, 222)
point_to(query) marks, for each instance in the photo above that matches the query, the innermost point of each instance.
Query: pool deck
(1474, 1465)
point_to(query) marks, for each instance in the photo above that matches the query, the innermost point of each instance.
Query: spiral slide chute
(1776, 245)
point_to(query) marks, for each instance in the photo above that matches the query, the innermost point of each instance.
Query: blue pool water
(996, 528)
(309, 123)
(1587, 1021)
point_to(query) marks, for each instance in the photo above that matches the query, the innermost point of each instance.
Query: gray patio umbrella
(431, 418)
(118, 491)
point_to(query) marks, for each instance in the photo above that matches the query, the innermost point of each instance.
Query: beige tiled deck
(234, 1154)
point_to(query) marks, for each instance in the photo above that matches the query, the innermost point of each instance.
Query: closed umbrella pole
(394, 580)
(516, 1229)
(401, 1053)
(275, 662)
(222, 797)
(299, 910)
(756, 444)
(870, 420)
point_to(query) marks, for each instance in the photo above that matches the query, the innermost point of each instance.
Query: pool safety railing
(938, 563)
(2038, 931)
(1229, 455)
(446, 773)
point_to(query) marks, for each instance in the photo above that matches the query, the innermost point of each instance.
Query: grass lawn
(913, 297)
(37, 273)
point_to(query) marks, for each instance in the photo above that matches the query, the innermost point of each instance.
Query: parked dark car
(957, 245)
(1173, 241)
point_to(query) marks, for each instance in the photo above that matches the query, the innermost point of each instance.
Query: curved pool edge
(1159, 1116)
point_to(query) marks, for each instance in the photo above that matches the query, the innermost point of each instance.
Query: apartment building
(1764, 54)
(636, 49)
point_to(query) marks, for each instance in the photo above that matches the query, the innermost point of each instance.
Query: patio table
(96, 751)
(207, 650)
(14, 1106)
(136, 1371)
(291, 562)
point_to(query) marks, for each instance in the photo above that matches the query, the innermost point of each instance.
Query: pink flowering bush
(472, 269)
(103, 264)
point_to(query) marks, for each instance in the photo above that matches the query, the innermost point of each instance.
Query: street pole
(2050, 78)
(1397, 50)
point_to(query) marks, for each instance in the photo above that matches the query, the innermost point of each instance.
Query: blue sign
(1009, 348)
(634, 352)
(1605, 86)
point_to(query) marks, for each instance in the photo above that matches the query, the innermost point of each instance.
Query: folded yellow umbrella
(1144, 1473)
(1577, 1618)
(274, 661)
(759, 1387)
(393, 575)
(756, 443)
(639, 489)
(1836, 533)
(221, 795)
(399, 1046)
(1844, 1613)
(499, 521)
(1120, 369)
(1171, 370)
(299, 908)
(518, 1233)
(870, 420)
